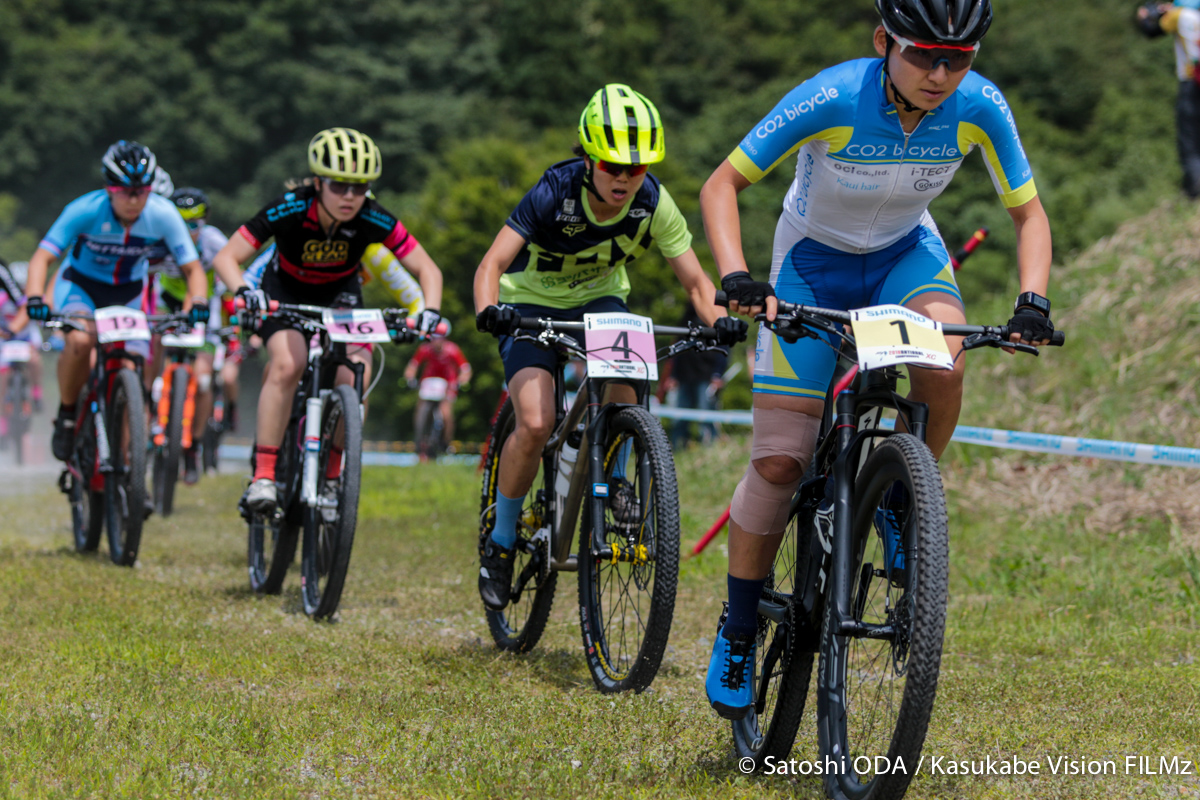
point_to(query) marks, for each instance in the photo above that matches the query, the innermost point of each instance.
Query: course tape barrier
(1133, 452)
(241, 452)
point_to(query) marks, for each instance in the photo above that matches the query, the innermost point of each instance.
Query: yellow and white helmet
(344, 154)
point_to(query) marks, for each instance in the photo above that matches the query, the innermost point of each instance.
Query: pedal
(66, 482)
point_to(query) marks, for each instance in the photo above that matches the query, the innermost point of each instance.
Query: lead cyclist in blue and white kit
(105, 239)
(876, 141)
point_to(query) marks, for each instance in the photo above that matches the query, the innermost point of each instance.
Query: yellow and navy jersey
(861, 183)
(569, 258)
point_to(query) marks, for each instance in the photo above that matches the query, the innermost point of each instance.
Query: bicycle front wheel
(875, 695)
(628, 571)
(329, 528)
(520, 625)
(125, 486)
(167, 457)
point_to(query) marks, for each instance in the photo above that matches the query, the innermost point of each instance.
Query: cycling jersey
(444, 365)
(570, 258)
(861, 183)
(1184, 24)
(379, 262)
(306, 255)
(100, 249)
(171, 279)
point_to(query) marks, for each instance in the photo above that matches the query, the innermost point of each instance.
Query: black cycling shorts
(519, 355)
(345, 293)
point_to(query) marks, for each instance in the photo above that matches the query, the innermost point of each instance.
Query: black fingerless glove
(498, 320)
(730, 330)
(1031, 324)
(37, 309)
(199, 312)
(740, 288)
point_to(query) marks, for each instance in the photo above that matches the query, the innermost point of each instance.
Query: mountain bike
(105, 477)
(17, 403)
(628, 558)
(431, 427)
(316, 497)
(175, 412)
(870, 595)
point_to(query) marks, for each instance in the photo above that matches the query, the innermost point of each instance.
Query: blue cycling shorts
(814, 274)
(75, 293)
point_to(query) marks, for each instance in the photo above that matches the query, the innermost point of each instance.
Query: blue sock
(508, 510)
(743, 607)
(622, 459)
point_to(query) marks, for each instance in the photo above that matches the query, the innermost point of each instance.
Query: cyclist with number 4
(105, 239)
(321, 232)
(563, 253)
(877, 140)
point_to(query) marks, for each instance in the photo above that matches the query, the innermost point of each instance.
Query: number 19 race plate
(121, 324)
(888, 335)
(355, 325)
(620, 345)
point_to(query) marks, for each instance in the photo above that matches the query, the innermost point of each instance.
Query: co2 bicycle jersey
(98, 247)
(571, 259)
(862, 184)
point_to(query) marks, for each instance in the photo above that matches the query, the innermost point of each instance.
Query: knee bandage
(759, 506)
(204, 383)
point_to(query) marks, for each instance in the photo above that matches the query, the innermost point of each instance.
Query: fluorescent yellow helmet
(621, 126)
(344, 154)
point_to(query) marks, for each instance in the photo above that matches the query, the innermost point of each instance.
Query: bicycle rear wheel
(87, 506)
(875, 696)
(786, 642)
(167, 457)
(329, 528)
(520, 625)
(271, 541)
(125, 486)
(628, 572)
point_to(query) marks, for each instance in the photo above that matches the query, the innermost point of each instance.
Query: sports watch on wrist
(1034, 301)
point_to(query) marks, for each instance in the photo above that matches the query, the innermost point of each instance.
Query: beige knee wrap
(759, 506)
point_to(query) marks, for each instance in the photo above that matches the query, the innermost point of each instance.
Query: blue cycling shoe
(729, 685)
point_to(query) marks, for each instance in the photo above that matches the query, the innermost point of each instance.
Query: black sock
(66, 411)
(743, 607)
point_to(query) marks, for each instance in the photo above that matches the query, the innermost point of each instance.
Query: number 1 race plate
(121, 324)
(888, 335)
(355, 325)
(620, 345)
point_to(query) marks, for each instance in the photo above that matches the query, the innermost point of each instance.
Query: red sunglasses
(616, 169)
(131, 191)
(929, 56)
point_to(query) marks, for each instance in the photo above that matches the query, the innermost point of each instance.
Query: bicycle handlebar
(545, 323)
(395, 318)
(989, 333)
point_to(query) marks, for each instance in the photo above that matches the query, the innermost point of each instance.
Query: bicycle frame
(177, 363)
(110, 359)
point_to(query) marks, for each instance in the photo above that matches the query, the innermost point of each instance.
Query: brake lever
(976, 340)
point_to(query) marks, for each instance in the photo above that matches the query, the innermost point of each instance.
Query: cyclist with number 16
(321, 230)
(876, 140)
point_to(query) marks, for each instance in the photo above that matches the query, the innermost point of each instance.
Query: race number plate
(355, 325)
(888, 335)
(192, 340)
(620, 345)
(121, 324)
(15, 352)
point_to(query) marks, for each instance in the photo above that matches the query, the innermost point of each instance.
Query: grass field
(170, 679)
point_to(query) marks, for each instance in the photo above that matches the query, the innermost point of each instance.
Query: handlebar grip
(1058, 338)
(240, 304)
(441, 329)
(721, 299)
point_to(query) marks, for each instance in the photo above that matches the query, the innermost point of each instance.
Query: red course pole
(712, 532)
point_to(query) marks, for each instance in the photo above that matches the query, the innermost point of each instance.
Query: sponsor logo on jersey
(639, 213)
(385, 221)
(117, 249)
(571, 230)
(347, 232)
(793, 112)
(286, 209)
(924, 185)
(568, 218)
(569, 206)
(318, 253)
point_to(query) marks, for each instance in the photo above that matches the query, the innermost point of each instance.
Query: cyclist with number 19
(105, 239)
(876, 140)
(321, 232)
(564, 253)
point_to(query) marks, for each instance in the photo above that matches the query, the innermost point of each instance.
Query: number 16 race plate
(888, 335)
(355, 325)
(620, 345)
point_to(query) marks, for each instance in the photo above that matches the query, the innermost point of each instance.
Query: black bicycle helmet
(191, 202)
(129, 164)
(956, 22)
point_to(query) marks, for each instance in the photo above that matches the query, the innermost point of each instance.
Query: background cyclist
(12, 297)
(321, 230)
(878, 139)
(105, 238)
(563, 253)
(445, 370)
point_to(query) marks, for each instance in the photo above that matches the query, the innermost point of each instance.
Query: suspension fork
(313, 405)
(845, 427)
(597, 434)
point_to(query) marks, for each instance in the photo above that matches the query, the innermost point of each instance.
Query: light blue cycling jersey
(861, 183)
(254, 273)
(97, 246)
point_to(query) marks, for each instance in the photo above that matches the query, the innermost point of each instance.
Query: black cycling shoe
(191, 473)
(63, 441)
(495, 575)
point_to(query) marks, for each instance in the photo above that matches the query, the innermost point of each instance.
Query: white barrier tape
(241, 452)
(1132, 452)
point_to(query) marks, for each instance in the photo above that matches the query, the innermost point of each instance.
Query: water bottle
(566, 463)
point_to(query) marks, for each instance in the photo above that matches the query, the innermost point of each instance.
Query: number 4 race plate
(888, 335)
(620, 346)
(355, 325)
